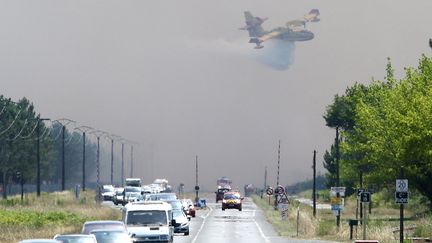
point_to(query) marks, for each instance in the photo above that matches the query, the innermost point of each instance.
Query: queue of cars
(148, 215)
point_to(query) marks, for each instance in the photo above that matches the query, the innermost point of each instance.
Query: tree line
(18, 135)
(386, 131)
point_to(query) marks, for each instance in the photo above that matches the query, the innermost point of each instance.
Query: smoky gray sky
(179, 76)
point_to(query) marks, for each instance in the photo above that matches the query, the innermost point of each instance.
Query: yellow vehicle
(232, 199)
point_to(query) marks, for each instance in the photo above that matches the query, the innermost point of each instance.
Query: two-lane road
(247, 226)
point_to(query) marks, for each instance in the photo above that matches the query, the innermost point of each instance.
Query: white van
(149, 221)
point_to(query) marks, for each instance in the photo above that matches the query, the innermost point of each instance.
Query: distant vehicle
(76, 238)
(133, 182)
(249, 189)
(224, 182)
(119, 197)
(189, 207)
(232, 199)
(40, 241)
(132, 194)
(146, 189)
(293, 31)
(103, 225)
(182, 221)
(108, 192)
(149, 221)
(111, 236)
(163, 185)
(221, 191)
(160, 196)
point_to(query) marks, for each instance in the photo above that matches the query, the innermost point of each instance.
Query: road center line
(202, 225)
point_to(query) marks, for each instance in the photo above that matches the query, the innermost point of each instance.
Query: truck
(133, 182)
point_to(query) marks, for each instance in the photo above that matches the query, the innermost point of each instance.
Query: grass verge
(382, 222)
(49, 214)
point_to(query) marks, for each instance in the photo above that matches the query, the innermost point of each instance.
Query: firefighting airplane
(294, 30)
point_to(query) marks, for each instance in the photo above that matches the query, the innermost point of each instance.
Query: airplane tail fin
(253, 25)
(312, 16)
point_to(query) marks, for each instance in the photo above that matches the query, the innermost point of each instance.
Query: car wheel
(223, 209)
(186, 233)
(240, 209)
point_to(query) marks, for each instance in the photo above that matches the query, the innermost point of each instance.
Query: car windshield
(178, 213)
(76, 239)
(108, 189)
(176, 205)
(111, 236)
(148, 217)
(231, 196)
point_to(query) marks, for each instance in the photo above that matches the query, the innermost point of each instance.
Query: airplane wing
(268, 36)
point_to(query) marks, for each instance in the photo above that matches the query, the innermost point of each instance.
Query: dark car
(232, 199)
(103, 224)
(220, 193)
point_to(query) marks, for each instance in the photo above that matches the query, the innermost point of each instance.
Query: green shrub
(325, 227)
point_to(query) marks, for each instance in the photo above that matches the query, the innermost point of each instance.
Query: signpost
(283, 206)
(401, 198)
(365, 198)
(336, 194)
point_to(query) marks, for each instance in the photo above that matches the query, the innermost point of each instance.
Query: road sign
(269, 191)
(280, 190)
(365, 197)
(401, 197)
(335, 200)
(337, 190)
(401, 185)
(359, 191)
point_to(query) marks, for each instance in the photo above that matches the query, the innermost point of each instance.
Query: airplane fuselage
(294, 35)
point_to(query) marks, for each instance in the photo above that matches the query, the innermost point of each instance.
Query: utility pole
(277, 179)
(63, 159)
(122, 165)
(314, 184)
(337, 172)
(112, 161)
(196, 180)
(131, 158)
(84, 129)
(83, 164)
(265, 178)
(98, 165)
(38, 179)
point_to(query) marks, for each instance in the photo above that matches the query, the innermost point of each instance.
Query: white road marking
(202, 225)
(259, 228)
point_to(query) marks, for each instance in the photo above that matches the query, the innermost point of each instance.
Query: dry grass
(380, 224)
(59, 203)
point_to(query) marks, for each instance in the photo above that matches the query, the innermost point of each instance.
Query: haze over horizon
(180, 78)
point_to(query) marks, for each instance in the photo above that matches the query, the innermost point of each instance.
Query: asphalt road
(249, 226)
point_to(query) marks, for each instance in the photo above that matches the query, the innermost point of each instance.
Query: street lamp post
(84, 129)
(38, 179)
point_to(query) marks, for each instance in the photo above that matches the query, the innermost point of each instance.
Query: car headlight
(224, 201)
